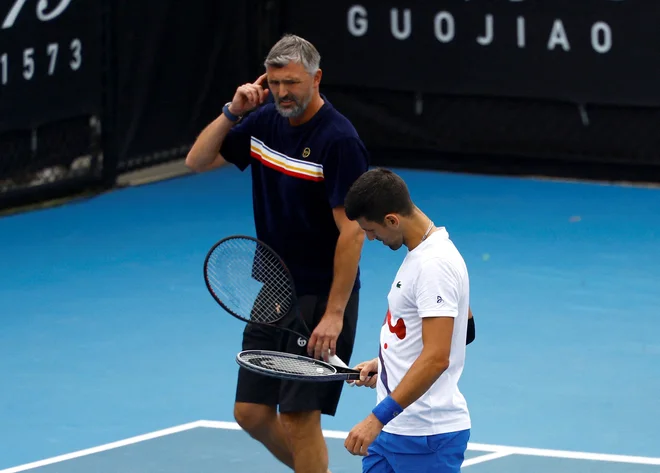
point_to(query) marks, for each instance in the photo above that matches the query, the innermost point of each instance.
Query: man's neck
(418, 226)
(311, 110)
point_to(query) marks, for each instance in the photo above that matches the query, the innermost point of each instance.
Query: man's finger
(350, 440)
(352, 445)
(248, 95)
(318, 352)
(257, 94)
(365, 449)
(364, 372)
(315, 347)
(325, 349)
(359, 445)
(311, 344)
(261, 78)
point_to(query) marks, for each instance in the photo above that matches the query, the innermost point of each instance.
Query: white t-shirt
(431, 282)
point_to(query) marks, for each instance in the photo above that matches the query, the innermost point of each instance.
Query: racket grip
(335, 360)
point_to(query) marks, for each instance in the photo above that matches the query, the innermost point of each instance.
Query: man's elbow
(353, 232)
(442, 365)
(438, 363)
(359, 236)
(191, 162)
(199, 164)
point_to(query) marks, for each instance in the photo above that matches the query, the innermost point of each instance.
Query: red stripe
(288, 172)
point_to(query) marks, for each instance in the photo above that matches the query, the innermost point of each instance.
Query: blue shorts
(442, 453)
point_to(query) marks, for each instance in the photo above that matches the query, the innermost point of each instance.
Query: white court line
(482, 447)
(103, 448)
(497, 451)
(485, 458)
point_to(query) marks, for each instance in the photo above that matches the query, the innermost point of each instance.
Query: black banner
(50, 60)
(179, 63)
(586, 51)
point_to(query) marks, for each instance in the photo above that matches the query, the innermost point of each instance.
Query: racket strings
(287, 365)
(230, 289)
(276, 293)
(250, 280)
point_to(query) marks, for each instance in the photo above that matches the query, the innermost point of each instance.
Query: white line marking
(216, 424)
(485, 458)
(482, 447)
(496, 451)
(604, 457)
(103, 448)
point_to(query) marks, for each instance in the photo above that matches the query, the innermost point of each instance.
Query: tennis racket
(293, 367)
(252, 283)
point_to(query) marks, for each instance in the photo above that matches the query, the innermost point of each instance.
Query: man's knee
(254, 418)
(301, 424)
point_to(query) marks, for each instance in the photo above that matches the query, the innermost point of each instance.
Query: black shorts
(296, 396)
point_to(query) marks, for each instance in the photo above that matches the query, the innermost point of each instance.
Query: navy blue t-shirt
(299, 174)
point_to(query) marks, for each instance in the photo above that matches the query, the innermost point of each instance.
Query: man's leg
(305, 437)
(257, 396)
(303, 403)
(263, 424)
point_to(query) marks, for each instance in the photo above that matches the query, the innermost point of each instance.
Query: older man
(304, 156)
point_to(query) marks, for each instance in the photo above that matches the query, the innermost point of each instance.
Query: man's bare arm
(430, 364)
(346, 262)
(323, 341)
(204, 155)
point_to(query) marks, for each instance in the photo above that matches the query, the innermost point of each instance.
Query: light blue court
(107, 332)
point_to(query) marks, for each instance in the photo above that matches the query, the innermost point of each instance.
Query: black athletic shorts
(296, 396)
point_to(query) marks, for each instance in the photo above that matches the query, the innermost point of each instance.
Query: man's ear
(391, 221)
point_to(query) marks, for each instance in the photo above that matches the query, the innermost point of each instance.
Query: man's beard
(295, 109)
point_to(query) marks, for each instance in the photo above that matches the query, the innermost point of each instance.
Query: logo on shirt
(398, 285)
(440, 300)
(306, 152)
(398, 329)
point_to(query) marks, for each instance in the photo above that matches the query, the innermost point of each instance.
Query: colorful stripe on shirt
(283, 163)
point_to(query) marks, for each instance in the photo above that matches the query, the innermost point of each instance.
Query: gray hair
(292, 48)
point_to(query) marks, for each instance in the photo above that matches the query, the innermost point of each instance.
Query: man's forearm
(346, 262)
(420, 377)
(206, 148)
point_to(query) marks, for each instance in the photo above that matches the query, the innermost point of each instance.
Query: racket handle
(335, 360)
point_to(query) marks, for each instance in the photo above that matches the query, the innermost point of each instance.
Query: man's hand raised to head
(204, 155)
(249, 96)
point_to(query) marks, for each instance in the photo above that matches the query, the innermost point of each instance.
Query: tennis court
(114, 357)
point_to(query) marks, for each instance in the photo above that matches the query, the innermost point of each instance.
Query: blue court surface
(114, 357)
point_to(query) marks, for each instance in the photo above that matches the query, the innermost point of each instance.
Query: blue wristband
(228, 114)
(386, 410)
